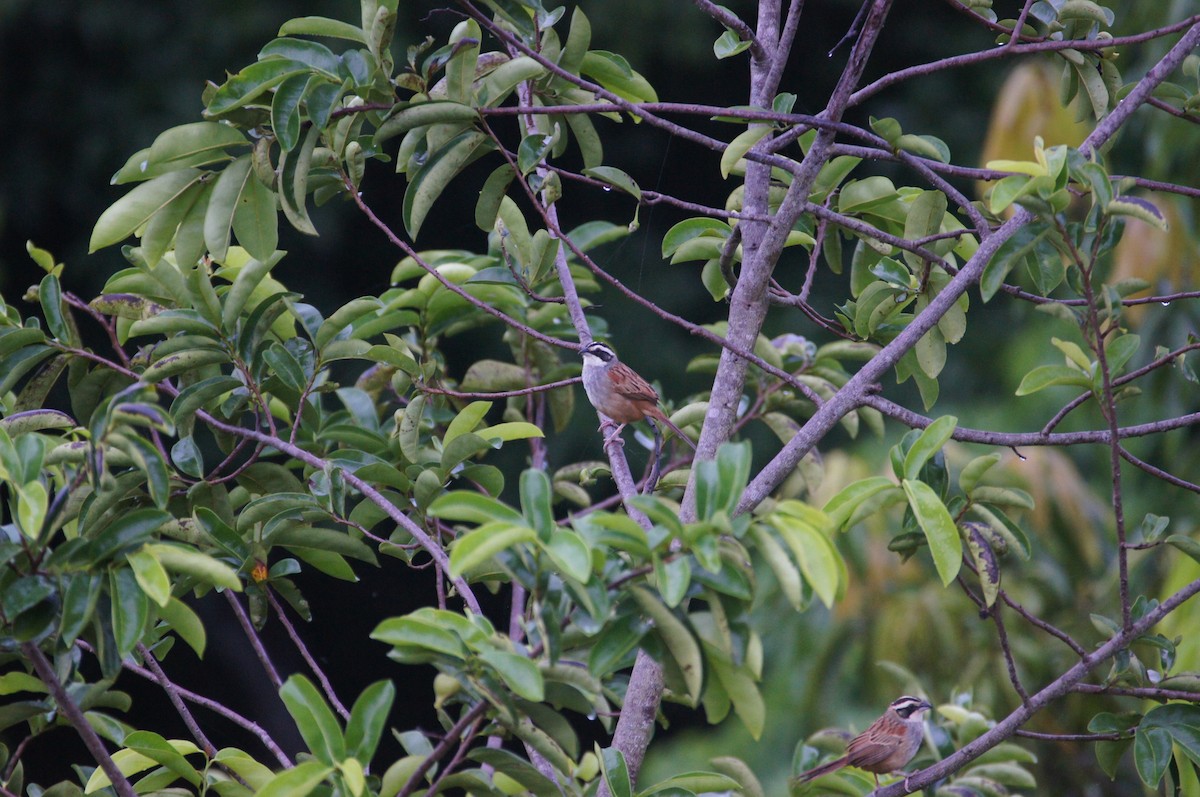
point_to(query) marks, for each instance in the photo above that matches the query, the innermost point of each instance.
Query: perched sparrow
(619, 393)
(886, 746)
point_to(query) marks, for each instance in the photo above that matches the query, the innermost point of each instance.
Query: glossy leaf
(940, 532)
(150, 575)
(519, 673)
(193, 563)
(253, 81)
(1162, 727)
(931, 440)
(678, 639)
(1046, 376)
(186, 623)
(130, 609)
(437, 172)
(473, 507)
(132, 211)
(477, 547)
(368, 717)
(616, 178)
(740, 146)
(298, 781)
(223, 204)
(616, 773)
(819, 561)
(322, 26)
(314, 719)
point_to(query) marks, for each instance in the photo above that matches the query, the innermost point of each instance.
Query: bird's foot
(614, 435)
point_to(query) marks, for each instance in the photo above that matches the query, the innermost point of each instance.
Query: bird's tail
(816, 772)
(661, 417)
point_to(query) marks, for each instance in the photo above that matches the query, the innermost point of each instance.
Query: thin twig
(173, 695)
(256, 643)
(326, 684)
(74, 715)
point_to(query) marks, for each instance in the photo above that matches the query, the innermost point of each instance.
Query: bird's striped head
(601, 352)
(909, 707)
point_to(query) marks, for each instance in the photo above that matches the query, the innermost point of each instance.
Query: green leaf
(1174, 723)
(532, 151)
(316, 55)
(135, 209)
(786, 573)
(536, 498)
(185, 142)
(491, 195)
(679, 640)
(932, 438)
(186, 623)
(860, 195)
(441, 167)
(570, 554)
(740, 146)
(974, 470)
(322, 26)
(417, 632)
(163, 752)
(614, 73)
(729, 44)
(1045, 376)
(841, 507)
(368, 717)
(519, 673)
(473, 507)
(673, 577)
(819, 561)
(467, 419)
(128, 531)
(130, 610)
(223, 204)
(513, 430)
(693, 228)
(285, 110)
(940, 531)
(50, 297)
(1185, 544)
(79, 603)
(13, 682)
(1119, 350)
(314, 719)
(255, 220)
(616, 178)
(477, 547)
(616, 773)
(247, 85)
(424, 114)
(298, 781)
(926, 146)
(150, 575)
(200, 566)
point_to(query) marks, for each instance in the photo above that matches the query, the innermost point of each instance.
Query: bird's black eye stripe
(601, 351)
(906, 706)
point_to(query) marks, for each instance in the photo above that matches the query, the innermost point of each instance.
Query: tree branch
(75, 716)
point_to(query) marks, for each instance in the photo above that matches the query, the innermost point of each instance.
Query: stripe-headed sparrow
(617, 392)
(886, 746)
